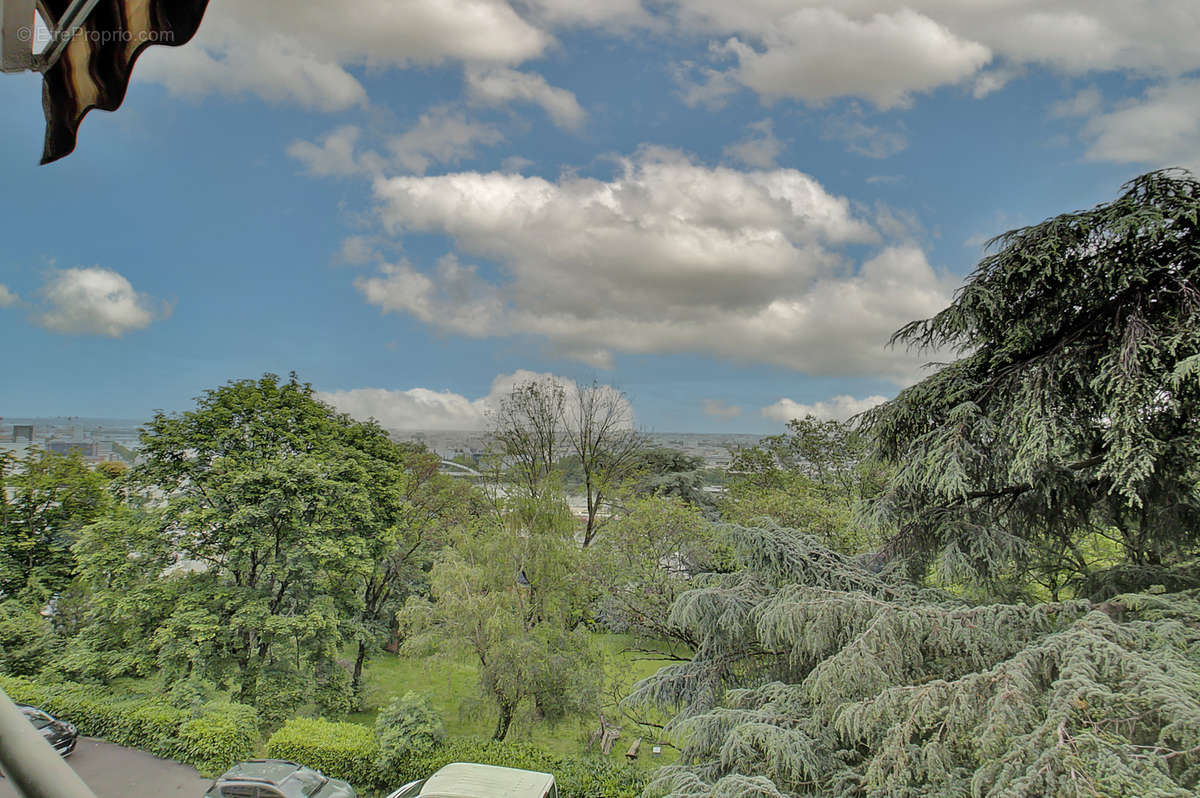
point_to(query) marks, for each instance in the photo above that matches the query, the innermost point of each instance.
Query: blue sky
(722, 209)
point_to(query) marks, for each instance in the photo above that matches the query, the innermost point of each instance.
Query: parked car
(469, 780)
(276, 778)
(58, 733)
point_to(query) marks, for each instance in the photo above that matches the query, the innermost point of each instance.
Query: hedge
(342, 750)
(349, 751)
(210, 739)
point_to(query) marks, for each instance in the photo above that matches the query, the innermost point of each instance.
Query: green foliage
(252, 575)
(27, 640)
(1075, 408)
(407, 726)
(55, 496)
(646, 558)
(513, 595)
(816, 676)
(810, 478)
(211, 738)
(345, 751)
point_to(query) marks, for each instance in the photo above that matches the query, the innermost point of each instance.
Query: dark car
(58, 733)
(276, 778)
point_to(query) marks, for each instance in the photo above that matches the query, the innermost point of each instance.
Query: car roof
(466, 780)
(273, 770)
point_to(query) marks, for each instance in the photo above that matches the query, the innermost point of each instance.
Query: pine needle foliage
(816, 676)
(1074, 407)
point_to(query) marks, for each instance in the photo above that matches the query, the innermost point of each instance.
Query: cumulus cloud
(1160, 129)
(667, 256)
(8, 298)
(442, 135)
(425, 409)
(498, 86)
(719, 408)
(885, 51)
(758, 147)
(299, 52)
(839, 408)
(95, 301)
(816, 54)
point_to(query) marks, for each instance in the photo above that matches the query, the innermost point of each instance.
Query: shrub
(211, 738)
(343, 750)
(26, 640)
(408, 726)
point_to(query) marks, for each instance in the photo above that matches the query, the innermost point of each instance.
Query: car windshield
(309, 781)
(40, 720)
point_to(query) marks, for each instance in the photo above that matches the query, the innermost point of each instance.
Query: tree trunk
(356, 680)
(503, 722)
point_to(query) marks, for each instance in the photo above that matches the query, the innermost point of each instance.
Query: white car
(469, 780)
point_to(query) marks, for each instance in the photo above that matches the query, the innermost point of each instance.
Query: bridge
(458, 469)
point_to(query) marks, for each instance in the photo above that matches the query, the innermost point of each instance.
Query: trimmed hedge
(342, 750)
(210, 740)
(350, 751)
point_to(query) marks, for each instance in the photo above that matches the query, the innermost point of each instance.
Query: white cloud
(1160, 129)
(719, 408)
(442, 135)
(95, 301)
(887, 50)
(425, 409)
(839, 408)
(284, 50)
(758, 147)
(816, 54)
(8, 298)
(498, 86)
(334, 156)
(667, 256)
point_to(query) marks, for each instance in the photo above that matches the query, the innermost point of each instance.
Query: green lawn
(452, 685)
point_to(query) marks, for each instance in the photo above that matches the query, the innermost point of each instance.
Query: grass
(453, 687)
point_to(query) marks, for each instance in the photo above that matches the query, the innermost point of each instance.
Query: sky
(723, 209)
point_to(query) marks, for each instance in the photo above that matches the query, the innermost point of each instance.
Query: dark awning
(94, 68)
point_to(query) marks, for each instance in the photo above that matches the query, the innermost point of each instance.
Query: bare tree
(528, 426)
(600, 431)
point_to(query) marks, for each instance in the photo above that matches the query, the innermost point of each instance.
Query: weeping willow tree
(816, 676)
(1060, 450)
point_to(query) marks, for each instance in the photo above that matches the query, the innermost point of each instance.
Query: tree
(541, 421)
(434, 506)
(54, 496)
(270, 500)
(1071, 414)
(1074, 409)
(646, 558)
(528, 426)
(815, 676)
(511, 595)
(599, 424)
(812, 477)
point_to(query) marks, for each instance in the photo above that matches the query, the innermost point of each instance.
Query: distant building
(22, 433)
(83, 448)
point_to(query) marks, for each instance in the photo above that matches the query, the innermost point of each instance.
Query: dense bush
(210, 738)
(342, 750)
(26, 639)
(407, 726)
